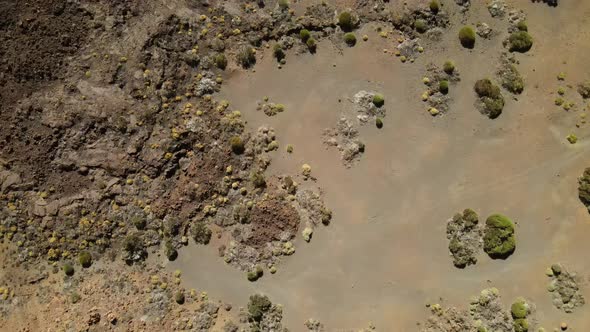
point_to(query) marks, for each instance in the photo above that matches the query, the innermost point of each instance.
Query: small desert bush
(467, 37)
(350, 39)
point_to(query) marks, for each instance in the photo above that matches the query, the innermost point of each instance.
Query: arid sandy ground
(385, 255)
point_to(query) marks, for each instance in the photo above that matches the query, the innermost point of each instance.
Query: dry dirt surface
(141, 188)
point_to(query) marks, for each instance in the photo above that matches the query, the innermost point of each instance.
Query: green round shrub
(255, 274)
(179, 297)
(278, 52)
(379, 123)
(220, 61)
(68, 269)
(443, 86)
(522, 26)
(449, 67)
(246, 56)
(345, 21)
(520, 41)
(498, 237)
(170, 251)
(201, 233)
(257, 306)
(521, 325)
(420, 25)
(237, 145)
(350, 39)
(304, 34)
(434, 6)
(485, 88)
(85, 259)
(519, 309)
(311, 44)
(284, 4)
(467, 37)
(257, 179)
(378, 100)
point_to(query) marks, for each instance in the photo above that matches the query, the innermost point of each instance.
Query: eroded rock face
(565, 289)
(465, 238)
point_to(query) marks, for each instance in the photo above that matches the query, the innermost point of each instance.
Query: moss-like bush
(350, 39)
(134, 249)
(304, 34)
(470, 218)
(201, 233)
(284, 4)
(179, 297)
(311, 44)
(220, 61)
(519, 309)
(449, 67)
(255, 274)
(522, 26)
(379, 123)
(512, 80)
(467, 37)
(85, 259)
(170, 252)
(257, 179)
(499, 241)
(584, 89)
(521, 325)
(345, 21)
(237, 145)
(246, 56)
(257, 306)
(378, 100)
(68, 269)
(434, 6)
(420, 25)
(278, 52)
(520, 41)
(485, 88)
(584, 188)
(443, 86)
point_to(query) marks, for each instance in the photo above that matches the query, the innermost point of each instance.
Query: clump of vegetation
(522, 26)
(138, 221)
(449, 67)
(519, 311)
(443, 87)
(170, 252)
(134, 249)
(491, 97)
(257, 179)
(75, 297)
(255, 274)
(350, 39)
(237, 145)
(434, 6)
(345, 21)
(179, 297)
(304, 34)
(498, 240)
(584, 89)
(201, 233)
(561, 76)
(257, 306)
(284, 4)
(511, 79)
(85, 259)
(220, 61)
(467, 37)
(311, 44)
(379, 123)
(420, 25)
(572, 138)
(378, 100)
(520, 41)
(559, 101)
(584, 188)
(278, 52)
(68, 269)
(246, 56)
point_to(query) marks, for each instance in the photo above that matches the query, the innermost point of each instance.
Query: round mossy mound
(85, 259)
(519, 309)
(350, 39)
(434, 6)
(498, 240)
(467, 37)
(237, 145)
(345, 21)
(378, 100)
(520, 41)
(420, 25)
(304, 34)
(443, 87)
(449, 67)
